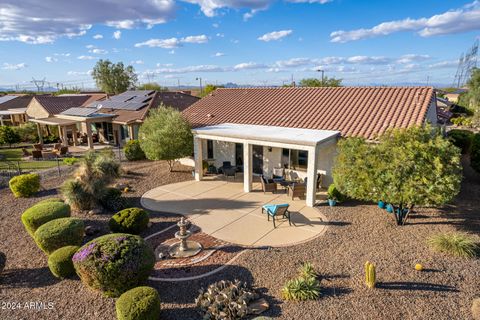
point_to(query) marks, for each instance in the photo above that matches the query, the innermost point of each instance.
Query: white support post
(247, 167)
(198, 154)
(64, 136)
(74, 135)
(40, 134)
(89, 135)
(312, 176)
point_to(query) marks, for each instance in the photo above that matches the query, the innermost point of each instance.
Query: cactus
(370, 277)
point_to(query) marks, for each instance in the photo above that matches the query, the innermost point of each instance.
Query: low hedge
(43, 212)
(133, 151)
(141, 303)
(461, 139)
(59, 233)
(114, 263)
(475, 153)
(131, 220)
(60, 262)
(25, 185)
(48, 200)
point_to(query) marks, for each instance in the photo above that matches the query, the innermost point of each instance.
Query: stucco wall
(222, 151)
(36, 111)
(432, 113)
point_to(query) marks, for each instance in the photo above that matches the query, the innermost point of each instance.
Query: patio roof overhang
(54, 121)
(295, 138)
(9, 112)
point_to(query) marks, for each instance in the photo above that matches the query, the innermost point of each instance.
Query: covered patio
(317, 147)
(223, 210)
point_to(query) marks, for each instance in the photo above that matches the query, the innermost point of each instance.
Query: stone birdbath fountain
(185, 248)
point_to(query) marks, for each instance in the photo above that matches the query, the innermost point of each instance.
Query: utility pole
(323, 73)
(201, 87)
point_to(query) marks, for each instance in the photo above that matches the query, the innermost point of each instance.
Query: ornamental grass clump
(114, 263)
(90, 182)
(455, 244)
(225, 300)
(305, 287)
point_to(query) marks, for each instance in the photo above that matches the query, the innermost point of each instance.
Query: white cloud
(117, 34)
(459, 20)
(18, 66)
(294, 62)
(210, 7)
(97, 36)
(80, 73)
(90, 46)
(409, 58)
(444, 64)
(195, 39)
(37, 22)
(310, 1)
(51, 59)
(171, 52)
(220, 35)
(67, 54)
(219, 54)
(249, 66)
(86, 58)
(172, 43)
(137, 62)
(367, 60)
(275, 35)
(98, 51)
(191, 69)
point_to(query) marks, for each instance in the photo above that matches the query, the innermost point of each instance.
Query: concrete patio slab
(223, 210)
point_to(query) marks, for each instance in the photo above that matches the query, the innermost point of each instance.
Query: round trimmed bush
(131, 220)
(3, 261)
(114, 263)
(141, 303)
(59, 233)
(25, 185)
(133, 151)
(43, 212)
(60, 262)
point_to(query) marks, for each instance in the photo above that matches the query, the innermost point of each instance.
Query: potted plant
(334, 195)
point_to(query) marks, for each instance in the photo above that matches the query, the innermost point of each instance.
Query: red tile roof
(354, 111)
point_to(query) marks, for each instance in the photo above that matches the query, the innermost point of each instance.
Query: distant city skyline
(264, 42)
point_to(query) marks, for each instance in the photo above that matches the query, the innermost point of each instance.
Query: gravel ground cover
(357, 232)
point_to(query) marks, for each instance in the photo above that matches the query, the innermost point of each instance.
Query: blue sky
(262, 42)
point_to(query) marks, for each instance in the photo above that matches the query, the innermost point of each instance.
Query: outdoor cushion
(272, 208)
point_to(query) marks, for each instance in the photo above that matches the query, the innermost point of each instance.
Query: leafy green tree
(8, 135)
(166, 135)
(471, 99)
(209, 88)
(327, 82)
(73, 90)
(407, 167)
(27, 132)
(152, 86)
(114, 78)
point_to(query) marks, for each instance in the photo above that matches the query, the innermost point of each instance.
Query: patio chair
(278, 173)
(268, 185)
(37, 155)
(297, 190)
(38, 146)
(62, 152)
(230, 172)
(57, 146)
(276, 210)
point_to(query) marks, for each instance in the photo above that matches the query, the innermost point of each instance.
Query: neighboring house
(130, 109)
(262, 129)
(453, 96)
(13, 108)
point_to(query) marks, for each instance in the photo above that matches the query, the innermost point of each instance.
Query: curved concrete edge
(201, 275)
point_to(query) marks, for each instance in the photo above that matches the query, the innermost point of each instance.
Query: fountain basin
(189, 249)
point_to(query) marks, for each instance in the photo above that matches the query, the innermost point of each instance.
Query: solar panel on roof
(81, 112)
(7, 98)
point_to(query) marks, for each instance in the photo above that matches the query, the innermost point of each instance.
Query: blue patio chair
(275, 210)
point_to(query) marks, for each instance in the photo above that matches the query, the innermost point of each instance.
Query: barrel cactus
(114, 263)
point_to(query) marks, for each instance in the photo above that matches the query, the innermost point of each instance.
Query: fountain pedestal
(185, 248)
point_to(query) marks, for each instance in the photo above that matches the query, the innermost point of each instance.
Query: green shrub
(25, 185)
(475, 153)
(462, 121)
(455, 244)
(334, 194)
(141, 303)
(60, 262)
(133, 151)
(59, 233)
(43, 212)
(225, 300)
(131, 220)
(3, 261)
(305, 287)
(113, 200)
(114, 263)
(461, 139)
(70, 161)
